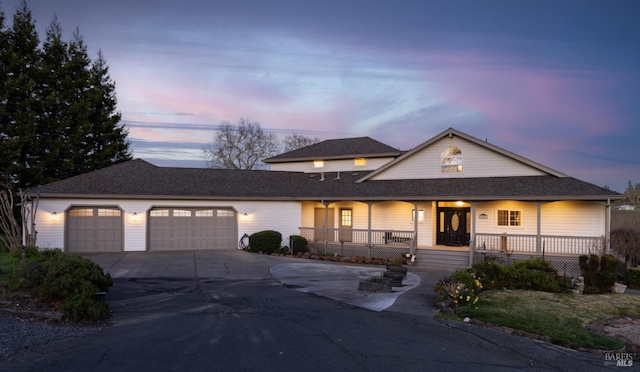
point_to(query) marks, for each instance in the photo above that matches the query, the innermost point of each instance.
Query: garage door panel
(192, 229)
(93, 229)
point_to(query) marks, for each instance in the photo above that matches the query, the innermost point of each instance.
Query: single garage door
(192, 228)
(94, 229)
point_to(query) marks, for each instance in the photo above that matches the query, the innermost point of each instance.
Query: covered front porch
(455, 233)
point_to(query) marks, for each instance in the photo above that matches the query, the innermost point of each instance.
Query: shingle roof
(140, 179)
(336, 149)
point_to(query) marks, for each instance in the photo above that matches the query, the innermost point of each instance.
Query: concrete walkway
(337, 281)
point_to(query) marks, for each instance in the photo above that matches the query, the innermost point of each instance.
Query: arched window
(451, 160)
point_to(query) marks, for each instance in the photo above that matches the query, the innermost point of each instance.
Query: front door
(319, 222)
(346, 225)
(453, 226)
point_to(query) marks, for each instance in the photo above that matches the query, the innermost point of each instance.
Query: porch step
(442, 258)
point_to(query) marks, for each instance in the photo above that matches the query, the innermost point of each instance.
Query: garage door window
(181, 213)
(159, 213)
(109, 213)
(81, 212)
(205, 213)
(225, 213)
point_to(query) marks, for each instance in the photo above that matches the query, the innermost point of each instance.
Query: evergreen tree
(19, 98)
(58, 113)
(107, 139)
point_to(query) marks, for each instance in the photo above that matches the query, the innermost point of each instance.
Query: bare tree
(296, 141)
(9, 225)
(626, 242)
(241, 146)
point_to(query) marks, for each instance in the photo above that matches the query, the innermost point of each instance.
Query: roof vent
(312, 176)
(322, 176)
(337, 175)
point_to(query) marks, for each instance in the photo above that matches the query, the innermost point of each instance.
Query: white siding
(563, 218)
(573, 218)
(343, 165)
(477, 161)
(490, 225)
(284, 217)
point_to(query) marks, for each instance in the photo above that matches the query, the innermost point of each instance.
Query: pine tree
(107, 139)
(19, 98)
(58, 113)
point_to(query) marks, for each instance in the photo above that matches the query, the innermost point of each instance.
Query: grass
(562, 317)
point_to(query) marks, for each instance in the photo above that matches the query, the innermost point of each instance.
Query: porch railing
(514, 243)
(357, 236)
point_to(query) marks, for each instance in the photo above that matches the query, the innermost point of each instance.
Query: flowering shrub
(460, 289)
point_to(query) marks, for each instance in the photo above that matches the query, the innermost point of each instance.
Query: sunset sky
(555, 81)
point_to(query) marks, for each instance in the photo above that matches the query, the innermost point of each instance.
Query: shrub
(533, 274)
(495, 276)
(67, 283)
(460, 289)
(633, 277)
(599, 272)
(298, 243)
(267, 241)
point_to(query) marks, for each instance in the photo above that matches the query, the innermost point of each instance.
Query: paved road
(201, 311)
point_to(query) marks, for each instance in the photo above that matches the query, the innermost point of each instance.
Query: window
(346, 216)
(360, 162)
(420, 214)
(451, 160)
(81, 212)
(224, 213)
(509, 218)
(205, 213)
(159, 213)
(108, 212)
(318, 163)
(181, 213)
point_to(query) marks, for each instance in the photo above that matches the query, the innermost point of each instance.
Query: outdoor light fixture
(134, 216)
(245, 217)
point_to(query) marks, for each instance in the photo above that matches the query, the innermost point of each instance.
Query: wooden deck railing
(358, 236)
(514, 243)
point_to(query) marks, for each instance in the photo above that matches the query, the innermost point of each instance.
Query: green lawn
(562, 317)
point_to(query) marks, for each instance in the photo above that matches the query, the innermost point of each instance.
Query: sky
(557, 82)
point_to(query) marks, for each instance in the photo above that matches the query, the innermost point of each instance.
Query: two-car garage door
(192, 228)
(101, 229)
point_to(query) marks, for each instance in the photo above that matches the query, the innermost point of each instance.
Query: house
(452, 200)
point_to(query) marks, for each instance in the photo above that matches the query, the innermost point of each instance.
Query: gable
(478, 159)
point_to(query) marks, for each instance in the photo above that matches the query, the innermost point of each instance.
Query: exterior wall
(343, 165)
(563, 218)
(260, 216)
(477, 161)
(573, 218)
(490, 225)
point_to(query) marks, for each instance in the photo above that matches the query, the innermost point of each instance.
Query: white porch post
(369, 205)
(538, 229)
(326, 226)
(416, 215)
(607, 226)
(472, 243)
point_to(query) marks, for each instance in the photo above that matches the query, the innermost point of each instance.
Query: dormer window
(360, 162)
(318, 163)
(451, 160)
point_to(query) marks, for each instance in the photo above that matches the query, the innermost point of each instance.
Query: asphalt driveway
(334, 280)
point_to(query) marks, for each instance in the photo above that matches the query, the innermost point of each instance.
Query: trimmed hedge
(298, 244)
(633, 277)
(599, 273)
(267, 241)
(534, 274)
